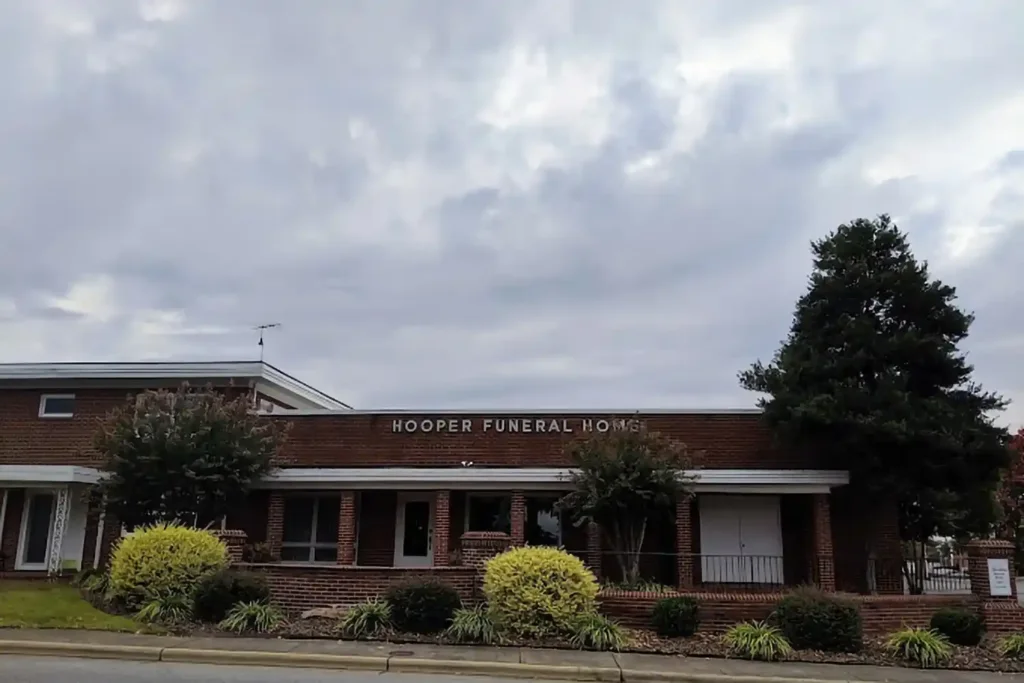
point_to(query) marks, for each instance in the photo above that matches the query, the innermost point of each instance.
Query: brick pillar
(684, 543)
(823, 568)
(234, 541)
(275, 524)
(888, 550)
(442, 527)
(979, 552)
(594, 549)
(347, 528)
(518, 514)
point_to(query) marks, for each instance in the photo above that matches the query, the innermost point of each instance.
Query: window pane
(295, 554)
(490, 513)
(417, 528)
(37, 528)
(543, 526)
(327, 520)
(59, 406)
(298, 519)
(327, 554)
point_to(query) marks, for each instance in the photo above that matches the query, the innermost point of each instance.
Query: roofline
(252, 370)
(527, 412)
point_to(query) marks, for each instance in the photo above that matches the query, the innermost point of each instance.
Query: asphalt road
(50, 669)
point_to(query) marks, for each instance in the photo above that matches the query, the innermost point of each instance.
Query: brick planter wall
(881, 614)
(298, 587)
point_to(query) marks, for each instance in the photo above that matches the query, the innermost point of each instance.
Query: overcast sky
(456, 203)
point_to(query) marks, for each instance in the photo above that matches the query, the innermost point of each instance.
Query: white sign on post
(999, 577)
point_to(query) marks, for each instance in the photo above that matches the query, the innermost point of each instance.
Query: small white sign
(999, 577)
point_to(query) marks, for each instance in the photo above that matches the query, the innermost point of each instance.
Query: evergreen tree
(186, 456)
(871, 378)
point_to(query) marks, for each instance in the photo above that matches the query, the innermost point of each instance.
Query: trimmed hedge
(813, 620)
(676, 617)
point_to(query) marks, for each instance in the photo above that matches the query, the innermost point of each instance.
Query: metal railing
(661, 572)
(943, 576)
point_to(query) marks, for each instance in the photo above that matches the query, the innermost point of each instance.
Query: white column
(60, 523)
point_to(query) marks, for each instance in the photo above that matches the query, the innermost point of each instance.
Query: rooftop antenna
(261, 328)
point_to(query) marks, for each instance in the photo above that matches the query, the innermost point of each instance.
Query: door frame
(400, 559)
(19, 564)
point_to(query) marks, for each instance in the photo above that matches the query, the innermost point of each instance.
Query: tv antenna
(262, 328)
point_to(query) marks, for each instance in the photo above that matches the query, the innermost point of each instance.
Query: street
(48, 669)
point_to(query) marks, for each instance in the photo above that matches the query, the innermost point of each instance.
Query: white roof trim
(295, 391)
(498, 478)
(527, 412)
(48, 474)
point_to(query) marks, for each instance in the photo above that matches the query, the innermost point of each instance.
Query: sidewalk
(481, 661)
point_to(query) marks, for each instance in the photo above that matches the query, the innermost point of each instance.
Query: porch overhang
(539, 478)
(28, 475)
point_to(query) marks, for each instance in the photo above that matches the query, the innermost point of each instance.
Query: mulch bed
(982, 658)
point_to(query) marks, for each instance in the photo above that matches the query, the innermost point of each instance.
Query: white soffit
(48, 474)
(495, 478)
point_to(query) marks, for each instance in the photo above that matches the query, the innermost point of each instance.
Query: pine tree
(871, 377)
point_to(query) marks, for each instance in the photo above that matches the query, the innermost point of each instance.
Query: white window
(543, 521)
(487, 512)
(57, 405)
(310, 529)
(36, 529)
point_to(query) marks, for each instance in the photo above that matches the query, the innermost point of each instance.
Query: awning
(539, 478)
(48, 474)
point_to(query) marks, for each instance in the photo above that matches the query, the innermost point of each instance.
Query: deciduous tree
(1010, 499)
(187, 456)
(622, 479)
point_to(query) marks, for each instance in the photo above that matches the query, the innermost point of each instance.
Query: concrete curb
(390, 664)
(136, 653)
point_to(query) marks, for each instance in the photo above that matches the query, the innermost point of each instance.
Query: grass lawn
(40, 604)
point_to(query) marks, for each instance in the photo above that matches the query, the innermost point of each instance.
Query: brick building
(364, 498)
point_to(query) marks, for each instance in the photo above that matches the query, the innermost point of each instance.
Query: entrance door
(740, 539)
(36, 524)
(414, 530)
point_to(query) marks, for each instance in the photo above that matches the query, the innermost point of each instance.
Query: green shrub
(163, 560)
(367, 619)
(922, 646)
(96, 584)
(1012, 646)
(219, 592)
(676, 616)
(81, 577)
(757, 640)
(166, 609)
(813, 620)
(639, 586)
(473, 625)
(592, 631)
(253, 617)
(960, 626)
(538, 591)
(425, 607)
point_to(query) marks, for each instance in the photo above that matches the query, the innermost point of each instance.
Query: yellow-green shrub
(164, 560)
(538, 591)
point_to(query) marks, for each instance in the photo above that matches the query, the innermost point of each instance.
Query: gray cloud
(516, 205)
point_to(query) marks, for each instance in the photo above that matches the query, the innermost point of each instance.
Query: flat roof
(263, 373)
(524, 412)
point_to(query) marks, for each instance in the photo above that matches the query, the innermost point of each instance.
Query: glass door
(36, 525)
(414, 530)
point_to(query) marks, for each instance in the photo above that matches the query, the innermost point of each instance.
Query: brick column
(234, 541)
(347, 528)
(518, 515)
(823, 570)
(979, 552)
(442, 527)
(275, 524)
(888, 549)
(594, 549)
(684, 543)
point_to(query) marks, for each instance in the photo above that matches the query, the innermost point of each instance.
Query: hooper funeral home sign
(511, 425)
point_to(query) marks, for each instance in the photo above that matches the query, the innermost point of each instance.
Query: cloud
(495, 205)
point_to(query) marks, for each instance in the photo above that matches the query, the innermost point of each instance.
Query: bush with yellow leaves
(164, 560)
(538, 591)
